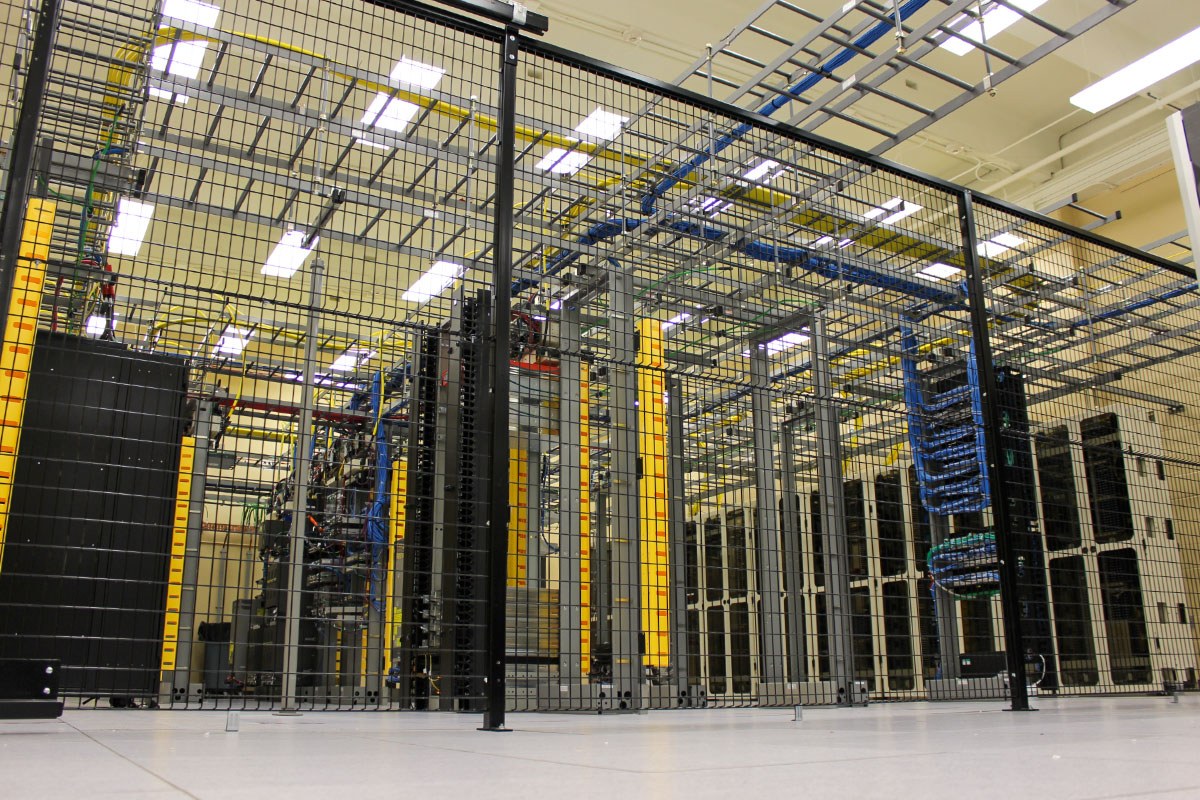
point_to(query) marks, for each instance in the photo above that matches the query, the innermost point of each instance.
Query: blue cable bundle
(946, 435)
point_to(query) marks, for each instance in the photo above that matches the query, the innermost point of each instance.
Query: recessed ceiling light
(761, 171)
(601, 124)
(163, 94)
(675, 320)
(133, 221)
(289, 255)
(426, 76)
(1141, 74)
(786, 342)
(712, 206)
(893, 211)
(999, 245)
(938, 272)
(563, 162)
(351, 359)
(388, 113)
(434, 281)
(997, 19)
(203, 14)
(179, 58)
(233, 341)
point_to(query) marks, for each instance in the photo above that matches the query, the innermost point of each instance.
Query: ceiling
(1026, 143)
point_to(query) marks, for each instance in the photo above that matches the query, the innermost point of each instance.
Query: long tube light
(233, 341)
(203, 14)
(133, 221)
(1145, 72)
(997, 19)
(289, 255)
(434, 281)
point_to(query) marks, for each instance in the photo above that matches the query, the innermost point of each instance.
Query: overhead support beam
(512, 14)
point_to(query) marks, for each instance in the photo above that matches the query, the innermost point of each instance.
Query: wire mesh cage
(758, 421)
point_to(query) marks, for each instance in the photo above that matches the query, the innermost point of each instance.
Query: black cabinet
(84, 573)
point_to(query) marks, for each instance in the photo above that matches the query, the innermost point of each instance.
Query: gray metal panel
(833, 520)
(624, 523)
(770, 620)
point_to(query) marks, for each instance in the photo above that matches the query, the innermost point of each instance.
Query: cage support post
(303, 463)
(1010, 600)
(502, 244)
(24, 146)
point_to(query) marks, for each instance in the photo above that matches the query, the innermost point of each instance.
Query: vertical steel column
(833, 520)
(793, 556)
(993, 421)
(502, 266)
(624, 520)
(602, 569)
(534, 576)
(945, 609)
(676, 513)
(302, 464)
(574, 635)
(770, 611)
(21, 158)
(191, 552)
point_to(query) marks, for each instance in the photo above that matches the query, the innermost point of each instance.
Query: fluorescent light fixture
(712, 206)
(995, 20)
(388, 113)
(351, 359)
(999, 245)
(434, 281)
(893, 211)
(785, 342)
(761, 170)
(203, 14)
(163, 94)
(601, 124)
(824, 241)
(563, 162)
(96, 325)
(426, 76)
(179, 58)
(1141, 74)
(133, 220)
(938, 272)
(844, 243)
(321, 380)
(233, 341)
(558, 304)
(289, 255)
(675, 320)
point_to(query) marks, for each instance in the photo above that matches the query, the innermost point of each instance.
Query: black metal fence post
(20, 170)
(1010, 600)
(497, 548)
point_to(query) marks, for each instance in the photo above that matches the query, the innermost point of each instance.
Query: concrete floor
(1079, 748)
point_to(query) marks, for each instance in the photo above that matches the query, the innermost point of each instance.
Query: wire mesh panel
(759, 320)
(1104, 466)
(782, 422)
(253, 464)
